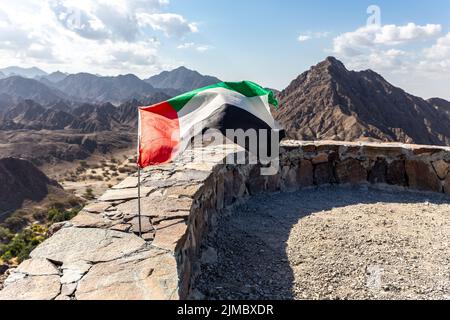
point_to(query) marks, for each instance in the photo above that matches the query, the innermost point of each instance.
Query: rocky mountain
(53, 77)
(21, 181)
(32, 72)
(15, 88)
(441, 105)
(181, 79)
(96, 89)
(331, 102)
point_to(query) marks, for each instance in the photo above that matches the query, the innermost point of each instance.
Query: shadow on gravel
(251, 242)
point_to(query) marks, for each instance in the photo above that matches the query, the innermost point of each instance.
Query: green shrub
(23, 243)
(55, 215)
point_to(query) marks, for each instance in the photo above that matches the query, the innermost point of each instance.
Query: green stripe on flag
(246, 88)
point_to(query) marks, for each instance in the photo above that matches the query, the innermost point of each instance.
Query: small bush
(23, 243)
(15, 223)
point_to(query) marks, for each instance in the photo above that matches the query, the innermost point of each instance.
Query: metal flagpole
(139, 200)
(139, 174)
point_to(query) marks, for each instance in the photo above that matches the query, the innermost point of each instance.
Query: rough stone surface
(32, 288)
(442, 168)
(351, 171)
(37, 267)
(421, 176)
(148, 275)
(396, 173)
(169, 233)
(97, 207)
(94, 245)
(125, 194)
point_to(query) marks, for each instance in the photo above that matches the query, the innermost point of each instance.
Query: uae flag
(225, 105)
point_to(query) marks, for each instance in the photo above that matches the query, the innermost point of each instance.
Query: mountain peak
(181, 79)
(329, 102)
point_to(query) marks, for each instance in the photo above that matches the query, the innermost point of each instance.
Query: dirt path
(331, 243)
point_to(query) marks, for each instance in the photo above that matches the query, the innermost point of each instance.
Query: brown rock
(190, 191)
(378, 172)
(442, 168)
(32, 288)
(421, 176)
(274, 182)
(122, 227)
(306, 175)
(146, 225)
(447, 184)
(170, 234)
(323, 174)
(256, 182)
(351, 171)
(396, 173)
(97, 207)
(90, 220)
(149, 275)
(320, 158)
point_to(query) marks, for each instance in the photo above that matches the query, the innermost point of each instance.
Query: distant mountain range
(181, 79)
(66, 117)
(329, 102)
(17, 84)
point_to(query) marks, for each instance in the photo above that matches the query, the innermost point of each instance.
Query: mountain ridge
(330, 102)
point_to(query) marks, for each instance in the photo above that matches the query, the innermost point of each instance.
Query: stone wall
(98, 255)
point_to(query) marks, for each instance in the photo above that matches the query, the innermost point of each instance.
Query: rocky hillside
(181, 79)
(21, 181)
(333, 103)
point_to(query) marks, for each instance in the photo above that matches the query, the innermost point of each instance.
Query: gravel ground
(331, 243)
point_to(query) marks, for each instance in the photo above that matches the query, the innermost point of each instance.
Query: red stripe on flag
(159, 134)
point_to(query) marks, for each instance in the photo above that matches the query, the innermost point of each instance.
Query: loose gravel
(331, 243)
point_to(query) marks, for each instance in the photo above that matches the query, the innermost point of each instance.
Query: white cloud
(441, 50)
(170, 23)
(312, 35)
(353, 43)
(98, 36)
(192, 45)
(303, 38)
(186, 45)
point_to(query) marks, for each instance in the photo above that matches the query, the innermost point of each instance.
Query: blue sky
(267, 41)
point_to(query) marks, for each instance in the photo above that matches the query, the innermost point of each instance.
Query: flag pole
(139, 200)
(139, 174)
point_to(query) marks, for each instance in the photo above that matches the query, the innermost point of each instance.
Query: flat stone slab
(90, 220)
(156, 207)
(130, 182)
(37, 267)
(149, 275)
(93, 245)
(32, 288)
(97, 207)
(125, 194)
(169, 234)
